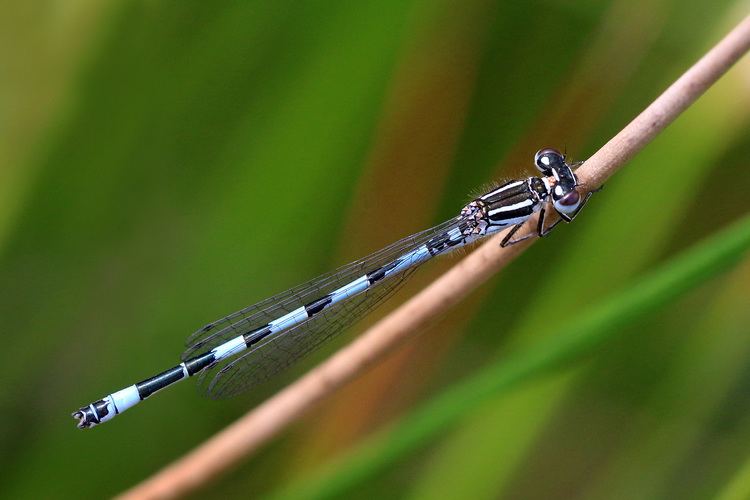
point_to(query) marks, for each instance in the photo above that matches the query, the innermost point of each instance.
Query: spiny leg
(545, 231)
(506, 241)
(539, 231)
(542, 231)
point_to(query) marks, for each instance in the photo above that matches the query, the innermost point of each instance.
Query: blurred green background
(165, 163)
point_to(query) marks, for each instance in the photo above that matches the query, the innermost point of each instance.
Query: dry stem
(250, 432)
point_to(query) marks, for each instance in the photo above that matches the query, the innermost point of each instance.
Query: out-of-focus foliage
(165, 163)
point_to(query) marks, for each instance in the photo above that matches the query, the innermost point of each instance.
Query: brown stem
(249, 433)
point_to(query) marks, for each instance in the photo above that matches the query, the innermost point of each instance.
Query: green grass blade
(570, 344)
(738, 486)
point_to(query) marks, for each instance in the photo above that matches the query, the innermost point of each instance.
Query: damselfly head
(548, 159)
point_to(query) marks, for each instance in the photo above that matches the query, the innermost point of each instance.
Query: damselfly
(237, 352)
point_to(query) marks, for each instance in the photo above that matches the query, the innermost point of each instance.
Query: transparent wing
(261, 313)
(280, 350)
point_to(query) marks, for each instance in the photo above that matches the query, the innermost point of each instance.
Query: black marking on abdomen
(87, 416)
(316, 306)
(198, 363)
(101, 409)
(438, 243)
(257, 335)
(160, 381)
(379, 273)
(441, 242)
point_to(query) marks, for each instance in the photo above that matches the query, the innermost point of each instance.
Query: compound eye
(546, 159)
(568, 202)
